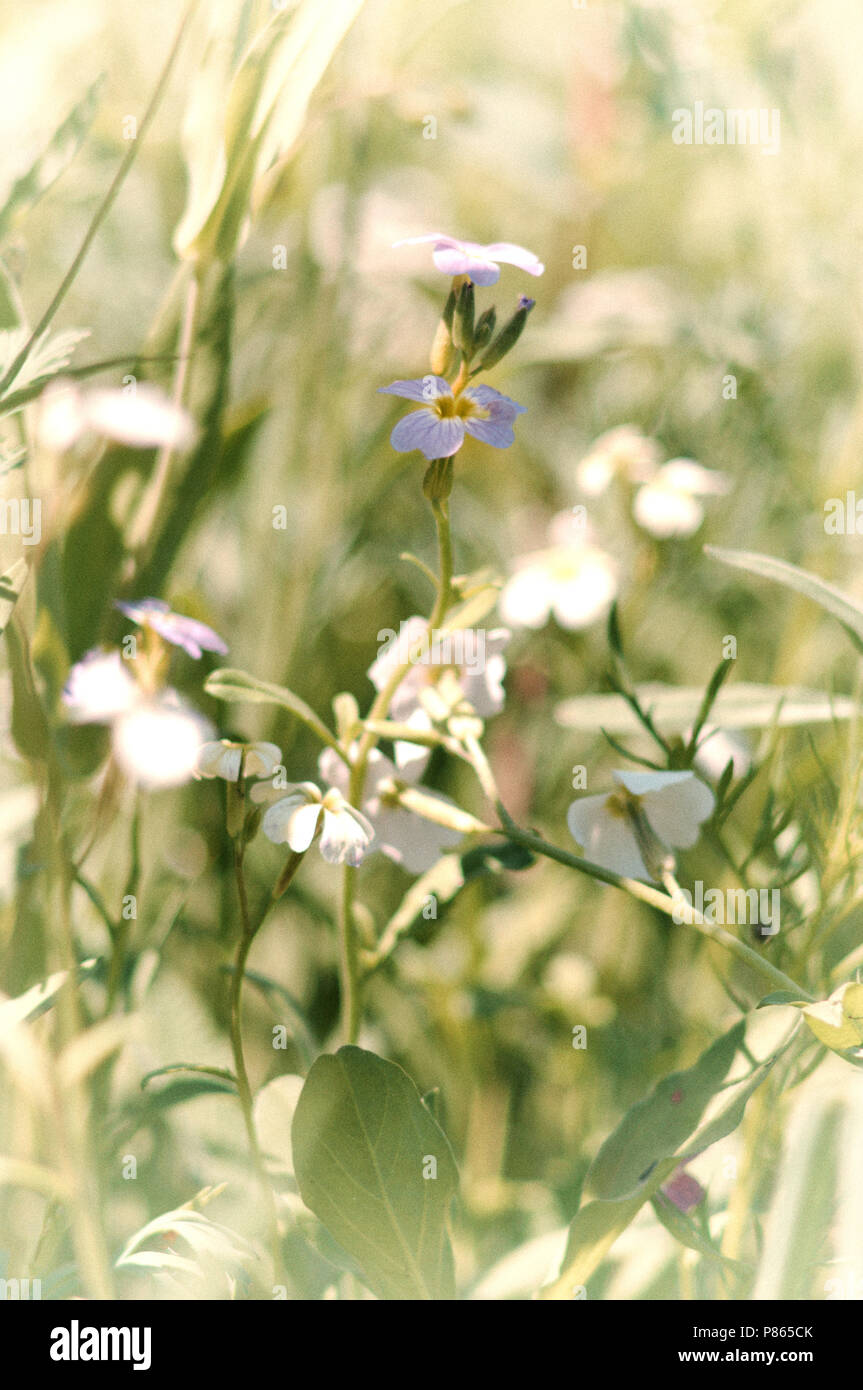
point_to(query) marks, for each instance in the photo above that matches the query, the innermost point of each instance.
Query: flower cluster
(667, 499)
(155, 736)
(452, 410)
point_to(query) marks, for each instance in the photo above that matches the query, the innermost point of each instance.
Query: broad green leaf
(362, 1142)
(11, 584)
(849, 612)
(685, 1114)
(29, 725)
(675, 708)
(837, 1022)
(54, 159)
(656, 1127)
(226, 684)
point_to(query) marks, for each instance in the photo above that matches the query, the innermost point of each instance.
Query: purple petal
(497, 429)
(495, 401)
(194, 637)
(511, 254)
(422, 388)
(425, 430)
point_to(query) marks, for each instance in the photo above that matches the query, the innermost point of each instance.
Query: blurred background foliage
(552, 128)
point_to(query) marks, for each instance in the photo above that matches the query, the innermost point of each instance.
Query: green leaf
(362, 1139)
(227, 1080)
(656, 1127)
(228, 684)
(675, 708)
(780, 996)
(54, 159)
(686, 1113)
(825, 595)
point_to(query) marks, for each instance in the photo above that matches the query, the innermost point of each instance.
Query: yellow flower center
(461, 407)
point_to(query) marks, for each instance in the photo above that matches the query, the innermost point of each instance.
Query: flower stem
(349, 956)
(244, 1090)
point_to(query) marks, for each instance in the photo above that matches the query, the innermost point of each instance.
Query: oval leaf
(362, 1141)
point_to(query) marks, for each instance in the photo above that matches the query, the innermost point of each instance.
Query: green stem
(244, 1090)
(350, 974)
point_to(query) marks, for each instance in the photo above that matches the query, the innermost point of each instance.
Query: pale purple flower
(301, 811)
(406, 838)
(455, 257)
(439, 429)
(194, 637)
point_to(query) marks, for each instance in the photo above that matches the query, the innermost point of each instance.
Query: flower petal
(511, 254)
(292, 821)
(345, 837)
(425, 430)
(606, 839)
(676, 813)
(422, 388)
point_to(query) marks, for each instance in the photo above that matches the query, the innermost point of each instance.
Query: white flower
(408, 839)
(673, 803)
(575, 580)
(156, 738)
(456, 669)
(624, 451)
(302, 810)
(99, 687)
(668, 505)
(144, 418)
(157, 742)
(223, 759)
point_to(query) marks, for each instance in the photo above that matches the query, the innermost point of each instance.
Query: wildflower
(99, 687)
(301, 811)
(157, 741)
(144, 418)
(672, 803)
(668, 505)
(408, 839)
(224, 759)
(446, 678)
(481, 263)
(623, 451)
(573, 579)
(438, 430)
(194, 637)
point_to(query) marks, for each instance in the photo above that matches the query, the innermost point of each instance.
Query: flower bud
(462, 321)
(484, 329)
(442, 347)
(437, 483)
(509, 334)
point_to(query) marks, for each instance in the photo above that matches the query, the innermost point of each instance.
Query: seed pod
(509, 334)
